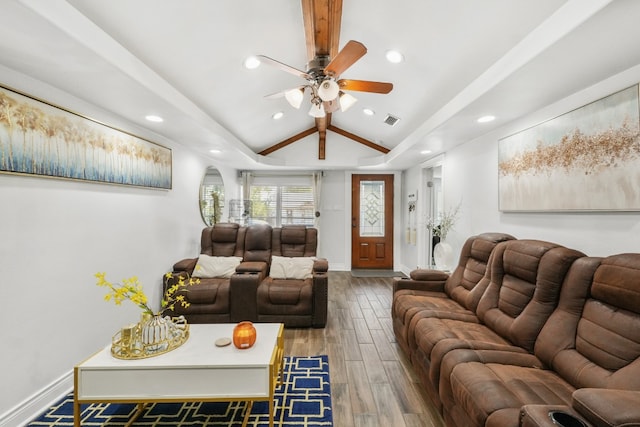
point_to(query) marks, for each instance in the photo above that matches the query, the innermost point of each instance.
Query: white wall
(409, 250)
(56, 234)
(471, 177)
(334, 214)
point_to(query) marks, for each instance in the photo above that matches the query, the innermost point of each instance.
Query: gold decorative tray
(134, 342)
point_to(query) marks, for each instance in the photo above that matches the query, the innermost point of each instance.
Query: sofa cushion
(214, 266)
(209, 296)
(285, 297)
(298, 268)
(483, 390)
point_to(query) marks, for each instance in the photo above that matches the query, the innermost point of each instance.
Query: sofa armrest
(540, 415)
(252, 267)
(601, 406)
(187, 265)
(320, 283)
(320, 265)
(422, 280)
(243, 292)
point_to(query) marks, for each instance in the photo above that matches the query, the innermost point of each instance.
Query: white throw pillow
(216, 266)
(291, 267)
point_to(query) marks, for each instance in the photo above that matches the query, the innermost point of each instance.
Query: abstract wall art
(585, 160)
(42, 139)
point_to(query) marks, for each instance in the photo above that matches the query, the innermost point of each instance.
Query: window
(282, 200)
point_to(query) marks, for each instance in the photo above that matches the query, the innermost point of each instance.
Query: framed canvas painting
(585, 160)
(42, 139)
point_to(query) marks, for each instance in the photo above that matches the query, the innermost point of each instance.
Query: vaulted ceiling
(183, 60)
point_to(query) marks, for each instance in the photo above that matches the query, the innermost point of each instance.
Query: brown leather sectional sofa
(251, 292)
(522, 328)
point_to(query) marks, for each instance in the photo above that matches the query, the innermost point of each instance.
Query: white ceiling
(183, 60)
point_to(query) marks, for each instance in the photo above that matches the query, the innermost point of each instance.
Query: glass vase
(443, 256)
(155, 332)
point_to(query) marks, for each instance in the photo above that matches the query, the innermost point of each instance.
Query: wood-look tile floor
(372, 382)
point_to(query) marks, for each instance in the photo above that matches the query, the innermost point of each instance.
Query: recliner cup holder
(565, 419)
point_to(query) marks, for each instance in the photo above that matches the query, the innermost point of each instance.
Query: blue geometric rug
(304, 399)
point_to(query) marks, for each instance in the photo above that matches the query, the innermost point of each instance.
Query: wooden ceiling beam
(335, 23)
(322, 21)
(288, 141)
(309, 28)
(359, 139)
(321, 124)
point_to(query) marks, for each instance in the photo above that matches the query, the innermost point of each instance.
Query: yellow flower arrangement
(131, 289)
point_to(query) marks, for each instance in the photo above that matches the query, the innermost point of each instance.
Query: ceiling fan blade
(275, 95)
(283, 93)
(284, 67)
(349, 54)
(365, 86)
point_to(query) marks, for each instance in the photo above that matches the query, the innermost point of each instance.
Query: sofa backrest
(223, 239)
(257, 243)
(294, 241)
(465, 284)
(592, 339)
(525, 281)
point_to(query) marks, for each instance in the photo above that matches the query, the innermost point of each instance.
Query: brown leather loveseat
(256, 273)
(554, 330)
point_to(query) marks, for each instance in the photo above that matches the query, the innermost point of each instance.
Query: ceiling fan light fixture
(346, 101)
(294, 97)
(317, 110)
(328, 90)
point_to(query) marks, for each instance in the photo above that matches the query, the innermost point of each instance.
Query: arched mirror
(211, 196)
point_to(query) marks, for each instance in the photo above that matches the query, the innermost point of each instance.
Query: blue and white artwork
(38, 138)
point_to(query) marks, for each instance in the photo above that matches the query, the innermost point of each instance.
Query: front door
(372, 221)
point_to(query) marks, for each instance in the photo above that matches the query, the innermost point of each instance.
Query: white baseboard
(406, 270)
(33, 406)
(336, 266)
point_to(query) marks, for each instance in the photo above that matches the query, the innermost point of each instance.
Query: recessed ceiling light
(486, 119)
(215, 151)
(153, 118)
(425, 152)
(251, 62)
(368, 111)
(394, 56)
(278, 115)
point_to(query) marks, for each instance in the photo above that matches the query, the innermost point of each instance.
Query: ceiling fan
(322, 76)
(322, 20)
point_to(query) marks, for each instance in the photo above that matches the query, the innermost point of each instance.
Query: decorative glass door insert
(372, 208)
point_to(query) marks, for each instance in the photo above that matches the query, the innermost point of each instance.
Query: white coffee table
(196, 371)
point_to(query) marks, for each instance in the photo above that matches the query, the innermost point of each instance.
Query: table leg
(271, 411)
(247, 413)
(76, 412)
(134, 417)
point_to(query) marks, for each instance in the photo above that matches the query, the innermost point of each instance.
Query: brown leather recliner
(294, 301)
(586, 359)
(250, 294)
(525, 278)
(209, 301)
(457, 294)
